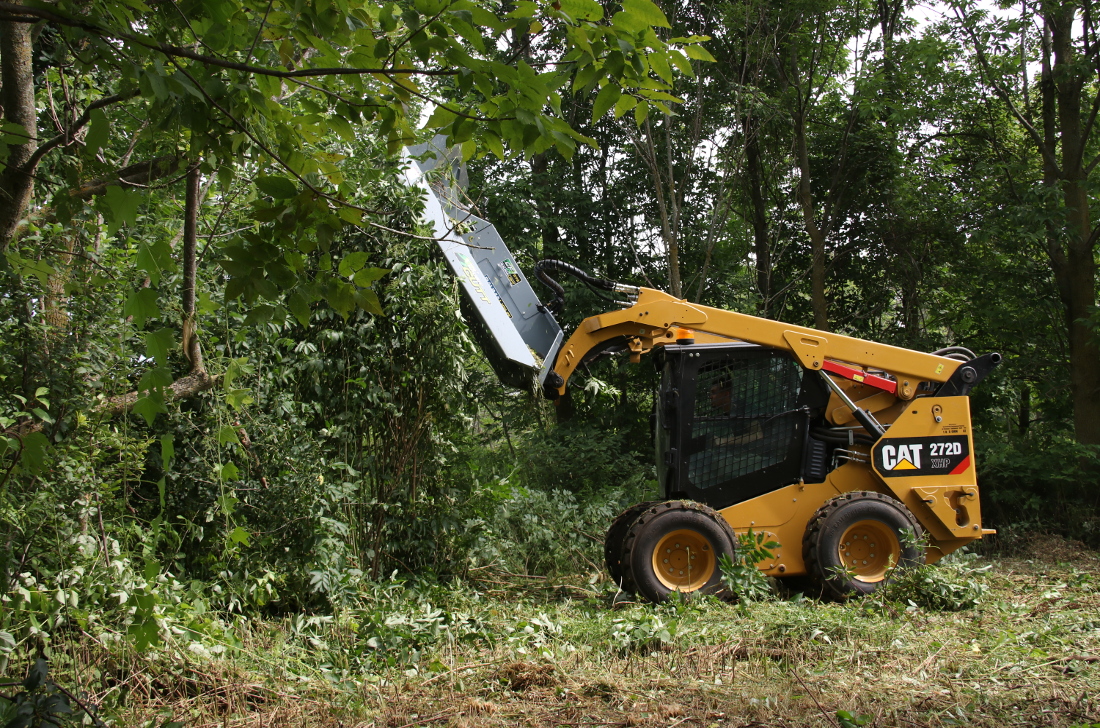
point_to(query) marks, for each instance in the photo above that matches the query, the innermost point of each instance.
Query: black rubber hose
(838, 436)
(549, 264)
(947, 351)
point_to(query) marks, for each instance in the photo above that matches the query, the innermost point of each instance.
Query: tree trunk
(190, 339)
(817, 237)
(1075, 268)
(761, 243)
(17, 98)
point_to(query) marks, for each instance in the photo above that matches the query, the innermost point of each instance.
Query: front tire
(613, 542)
(675, 546)
(855, 542)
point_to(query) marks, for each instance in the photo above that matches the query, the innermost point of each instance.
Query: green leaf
(442, 116)
(228, 472)
(228, 434)
(368, 301)
(158, 344)
(120, 207)
(150, 406)
(278, 187)
(343, 129)
(605, 99)
(495, 145)
(167, 450)
(367, 276)
(647, 12)
(681, 62)
(36, 675)
(145, 634)
(35, 446)
(142, 306)
(239, 535)
(155, 379)
(349, 214)
(659, 64)
(299, 307)
(582, 9)
(699, 53)
(99, 132)
(625, 103)
(155, 258)
(352, 262)
(14, 134)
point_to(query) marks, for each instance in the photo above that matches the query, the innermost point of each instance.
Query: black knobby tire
(878, 534)
(686, 534)
(613, 542)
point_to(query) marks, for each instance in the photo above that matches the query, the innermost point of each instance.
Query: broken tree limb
(135, 175)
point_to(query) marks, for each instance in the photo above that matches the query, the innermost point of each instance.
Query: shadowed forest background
(235, 382)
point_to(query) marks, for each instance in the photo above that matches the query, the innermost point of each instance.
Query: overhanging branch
(23, 14)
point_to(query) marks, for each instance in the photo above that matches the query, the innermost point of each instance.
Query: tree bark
(817, 237)
(1074, 263)
(190, 340)
(17, 98)
(759, 217)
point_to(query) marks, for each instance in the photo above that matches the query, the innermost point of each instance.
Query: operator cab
(733, 422)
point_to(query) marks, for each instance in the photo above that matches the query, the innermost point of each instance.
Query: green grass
(503, 650)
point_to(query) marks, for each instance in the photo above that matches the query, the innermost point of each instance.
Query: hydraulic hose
(950, 350)
(550, 264)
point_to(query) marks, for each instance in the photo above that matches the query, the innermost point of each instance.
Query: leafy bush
(525, 530)
(953, 584)
(645, 632)
(742, 578)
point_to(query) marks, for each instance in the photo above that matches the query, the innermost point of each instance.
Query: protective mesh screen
(743, 420)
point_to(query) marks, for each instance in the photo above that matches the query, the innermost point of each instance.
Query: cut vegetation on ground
(502, 650)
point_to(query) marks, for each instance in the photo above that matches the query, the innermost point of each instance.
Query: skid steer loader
(857, 458)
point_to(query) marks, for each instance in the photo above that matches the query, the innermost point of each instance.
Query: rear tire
(613, 542)
(855, 541)
(675, 546)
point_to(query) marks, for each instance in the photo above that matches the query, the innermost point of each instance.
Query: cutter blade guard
(518, 334)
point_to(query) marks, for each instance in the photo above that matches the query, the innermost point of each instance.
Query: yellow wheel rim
(868, 549)
(684, 560)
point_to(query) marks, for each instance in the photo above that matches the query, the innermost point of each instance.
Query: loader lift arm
(653, 319)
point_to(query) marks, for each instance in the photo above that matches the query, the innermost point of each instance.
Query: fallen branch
(183, 388)
(135, 175)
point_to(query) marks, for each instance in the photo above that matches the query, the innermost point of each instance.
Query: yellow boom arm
(653, 319)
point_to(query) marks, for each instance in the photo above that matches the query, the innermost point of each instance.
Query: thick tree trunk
(1075, 264)
(17, 98)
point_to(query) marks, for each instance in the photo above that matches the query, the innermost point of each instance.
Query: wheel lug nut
(865, 562)
(666, 561)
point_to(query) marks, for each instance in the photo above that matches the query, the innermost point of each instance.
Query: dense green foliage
(280, 411)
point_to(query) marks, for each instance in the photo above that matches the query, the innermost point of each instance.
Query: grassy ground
(504, 650)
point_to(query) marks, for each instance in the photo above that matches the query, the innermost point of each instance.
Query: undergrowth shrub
(1049, 483)
(954, 583)
(741, 575)
(525, 530)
